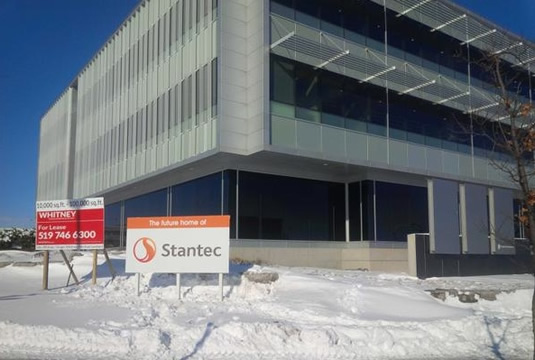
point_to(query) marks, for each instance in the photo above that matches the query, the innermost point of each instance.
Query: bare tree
(510, 129)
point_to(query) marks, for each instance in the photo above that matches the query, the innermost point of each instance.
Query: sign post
(191, 244)
(45, 270)
(76, 224)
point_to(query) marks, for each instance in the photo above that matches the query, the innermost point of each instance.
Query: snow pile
(306, 314)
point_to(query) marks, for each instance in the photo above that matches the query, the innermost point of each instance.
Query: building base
(358, 255)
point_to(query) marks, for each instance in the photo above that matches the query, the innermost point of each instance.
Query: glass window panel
(368, 231)
(282, 110)
(152, 204)
(112, 230)
(276, 207)
(401, 210)
(282, 81)
(285, 10)
(198, 197)
(307, 88)
(354, 212)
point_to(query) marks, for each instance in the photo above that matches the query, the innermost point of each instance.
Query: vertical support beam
(45, 270)
(374, 213)
(222, 202)
(412, 255)
(360, 213)
(346, 186)
(463, 216)
(122, 222)
(94, 272)
(237, 202)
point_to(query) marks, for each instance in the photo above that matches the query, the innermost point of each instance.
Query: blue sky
(45, 43)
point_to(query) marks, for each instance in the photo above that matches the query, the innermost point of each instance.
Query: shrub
(17, 238)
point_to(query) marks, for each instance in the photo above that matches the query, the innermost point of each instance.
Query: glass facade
(386, 211)
(401, 210)
(151, 204)
(365, 22)
(300, 91)
(197, 197)
(286, 208)
(112, 223)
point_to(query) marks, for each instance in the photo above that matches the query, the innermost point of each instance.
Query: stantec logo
(144, 250)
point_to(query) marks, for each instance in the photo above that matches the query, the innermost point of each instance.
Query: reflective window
(197, 197)
(367, 206)
(151, 204)
(112, 230)
(400, 210)
(354, 212)
(277, 207)
(298, 90)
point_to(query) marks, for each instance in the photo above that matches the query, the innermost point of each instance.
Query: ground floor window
(273, 207)
(386, 211)
(286, 208)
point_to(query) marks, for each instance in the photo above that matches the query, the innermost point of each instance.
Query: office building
(328, 130)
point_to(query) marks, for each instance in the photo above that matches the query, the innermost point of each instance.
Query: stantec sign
(69, 224)
(192, 244)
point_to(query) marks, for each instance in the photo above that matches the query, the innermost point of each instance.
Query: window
(277, 207)
(214, 87)
(152, 204)
(112, 230)
(214, 9)
(198, 197)
(282, 81)
(400, 210)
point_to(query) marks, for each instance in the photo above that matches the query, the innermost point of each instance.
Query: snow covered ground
(308, 314)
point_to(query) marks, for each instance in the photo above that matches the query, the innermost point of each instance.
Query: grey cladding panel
(443, 217)
(333, 141)
(475, 220)
(501, 221)
(398, 153)
(282, 132)
(416, 156)
(308, 136)
(377, 148)
(356, 145)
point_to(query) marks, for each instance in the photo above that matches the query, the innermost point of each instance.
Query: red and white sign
(70, 224)
(188, 244)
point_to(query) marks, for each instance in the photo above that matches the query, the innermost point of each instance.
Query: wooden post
(69, 266)
(110, 265)
(94, 277)
(45, 271)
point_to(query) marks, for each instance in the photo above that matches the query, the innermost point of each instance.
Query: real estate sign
(70, 224)
(192, 244)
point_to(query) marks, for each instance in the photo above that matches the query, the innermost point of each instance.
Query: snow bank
(306, 314)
